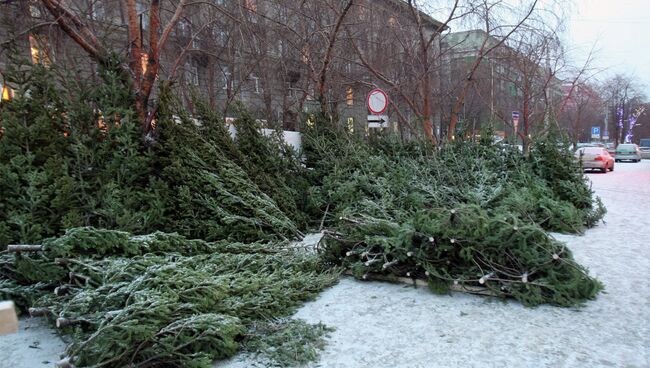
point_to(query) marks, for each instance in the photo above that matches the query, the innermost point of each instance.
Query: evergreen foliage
(467, 214)
(73, 155)
(162, 299)
(210, 196)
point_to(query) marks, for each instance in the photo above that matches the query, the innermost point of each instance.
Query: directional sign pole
(515, 123)
(377, 103)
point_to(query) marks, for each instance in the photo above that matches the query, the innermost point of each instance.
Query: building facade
(268, 55)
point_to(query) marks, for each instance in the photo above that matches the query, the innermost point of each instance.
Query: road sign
(515, 120)
(595, 132)
(377, 101)
(377, 121)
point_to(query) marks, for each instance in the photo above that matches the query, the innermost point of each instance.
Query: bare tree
(486, 12)
(623, 96)
(143, 61)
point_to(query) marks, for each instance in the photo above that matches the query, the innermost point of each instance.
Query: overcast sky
(620, 29)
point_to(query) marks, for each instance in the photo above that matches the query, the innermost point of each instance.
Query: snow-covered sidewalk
(386, 325)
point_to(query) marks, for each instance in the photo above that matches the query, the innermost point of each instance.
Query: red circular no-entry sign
(377, 101)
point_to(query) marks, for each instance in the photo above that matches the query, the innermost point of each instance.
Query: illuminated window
(351, 125)
(7, 93)
(38, 45)
(392, 21)
(349, 96)
(144, 62)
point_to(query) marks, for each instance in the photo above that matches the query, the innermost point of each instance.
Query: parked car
(628, 151)
(644, 142)
(645, 152)
(595, 158)
(644, 147)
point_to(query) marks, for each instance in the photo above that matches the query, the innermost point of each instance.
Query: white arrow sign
(377, 121)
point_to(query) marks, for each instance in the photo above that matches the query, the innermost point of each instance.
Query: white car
(595, 158)
(628, 151)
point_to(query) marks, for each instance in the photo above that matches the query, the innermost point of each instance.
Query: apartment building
(269, 55)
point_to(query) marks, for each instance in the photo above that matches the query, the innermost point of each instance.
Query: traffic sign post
(515, 123)
(377, 104)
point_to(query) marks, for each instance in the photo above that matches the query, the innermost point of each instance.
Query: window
(183, 28)
(305, 54)
(99, 11)
(349, 96)
(227, 81)
(38, 45)
(141, 9)
(392, 21)
(221, 36)
(256, 83)
(144, 62)
(351, 125)
(191, 74)
(34, 11)
(278, 50)
(363, 12)
(7, 93)
(294, 92)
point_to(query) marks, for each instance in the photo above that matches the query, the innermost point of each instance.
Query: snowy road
(382, 325)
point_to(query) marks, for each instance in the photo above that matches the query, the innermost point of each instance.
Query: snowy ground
(383, 325)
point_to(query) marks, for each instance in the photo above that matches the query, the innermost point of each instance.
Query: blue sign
(595, 132)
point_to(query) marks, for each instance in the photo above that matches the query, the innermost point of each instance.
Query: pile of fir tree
(470, 214)
(163, 300)
(72, 154)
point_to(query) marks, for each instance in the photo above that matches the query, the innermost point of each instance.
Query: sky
(620, 32)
